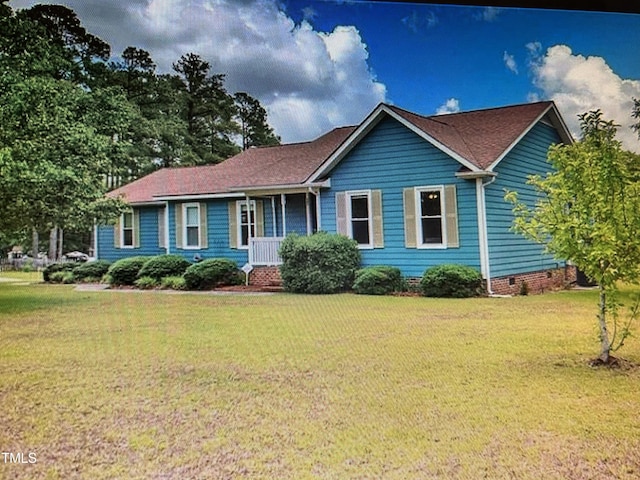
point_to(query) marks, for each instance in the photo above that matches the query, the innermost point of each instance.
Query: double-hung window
(127, 226)
(191, 225)
(246, 221)
(359, 217)
(431, 218)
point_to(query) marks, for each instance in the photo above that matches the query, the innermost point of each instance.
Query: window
(360, 218)
(430, 213)
(246, 220)
(431, 217)
(127, 230)
(192, 225)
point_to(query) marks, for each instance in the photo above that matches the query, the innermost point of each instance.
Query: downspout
(482, 227)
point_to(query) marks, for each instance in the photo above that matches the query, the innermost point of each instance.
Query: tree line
(74, 123)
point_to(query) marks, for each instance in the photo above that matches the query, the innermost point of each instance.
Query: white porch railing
(264, 250)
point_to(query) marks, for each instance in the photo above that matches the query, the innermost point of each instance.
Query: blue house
(414, 191)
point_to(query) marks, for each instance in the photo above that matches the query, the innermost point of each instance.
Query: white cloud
(309, 81)
(489, 14)
(510, 62)
(420, 21)
(578, 84)
(452, 105)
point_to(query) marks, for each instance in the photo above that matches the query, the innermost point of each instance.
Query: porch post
(307, 206)
(283, 204)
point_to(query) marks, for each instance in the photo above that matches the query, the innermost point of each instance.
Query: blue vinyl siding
(509, 252)
(391, 158)
(148, 238)
(217, 231)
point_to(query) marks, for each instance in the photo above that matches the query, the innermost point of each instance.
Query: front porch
(290, 210)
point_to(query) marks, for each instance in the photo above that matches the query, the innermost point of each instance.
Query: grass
(150, 385)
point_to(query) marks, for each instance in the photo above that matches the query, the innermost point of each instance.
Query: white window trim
(239, 205)
(360, 193)
(185, 246)
(443, 218)
(122, 229)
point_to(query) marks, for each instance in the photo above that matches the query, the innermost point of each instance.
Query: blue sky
(317, 64)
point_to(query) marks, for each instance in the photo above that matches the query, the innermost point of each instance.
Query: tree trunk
(35, 243)
(53, 244)
(60, 242)
(605, 345)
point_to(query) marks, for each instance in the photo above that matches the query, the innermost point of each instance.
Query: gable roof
(478, 140)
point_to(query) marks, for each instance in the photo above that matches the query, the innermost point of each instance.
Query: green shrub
(146, 283)
(28, 266)
(164, 266)
(94, 270)
(62, 276)
(174, 283)
(453, 281)
(211, 273)
(49, 270)
(125, 271)
(378, 280)
(320, 263)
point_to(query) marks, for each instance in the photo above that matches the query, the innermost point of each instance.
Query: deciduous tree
(589, 213)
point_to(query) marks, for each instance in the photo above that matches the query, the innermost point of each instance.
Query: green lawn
(159, 386)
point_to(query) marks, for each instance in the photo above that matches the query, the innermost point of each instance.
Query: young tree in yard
(589, 213)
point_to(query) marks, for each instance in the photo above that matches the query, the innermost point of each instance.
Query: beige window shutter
(409, 200)
(341, 213)
(233, 225)
(378, 226)
(179, 227)
(204, 233)
(259, 218)
(117, 229)
(161, 228)
(136, 228)
(451, 216)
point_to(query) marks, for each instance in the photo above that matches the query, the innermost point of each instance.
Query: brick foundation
(536, 282)
(265, 277)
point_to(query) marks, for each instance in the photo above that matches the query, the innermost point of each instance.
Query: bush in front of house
(452, 281)
(164, 266)
(62, 276)
(320, 263)
(211, 273)
(91, 271)
(146, 283)
(378, 280)
(125, 271)
(174, 283)
(49, 270)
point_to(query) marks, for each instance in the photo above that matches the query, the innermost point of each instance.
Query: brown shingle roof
(256, 167)
(479, 137)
